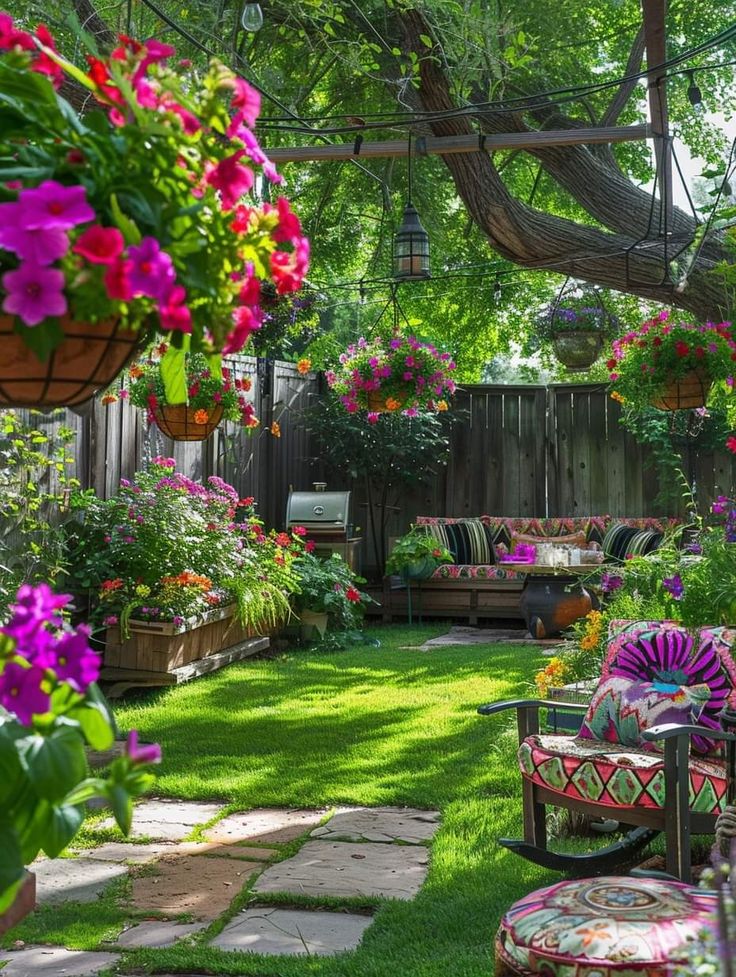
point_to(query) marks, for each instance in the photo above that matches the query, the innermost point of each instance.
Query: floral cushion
(621, 709)
(619, 777)
(608, 927)
(664, 653)
(453, 571)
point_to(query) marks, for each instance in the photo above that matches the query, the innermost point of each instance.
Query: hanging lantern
(411, 247)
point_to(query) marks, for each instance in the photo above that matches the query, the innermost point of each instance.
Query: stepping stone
(264, 825)
(73, 879)
(167, 819)
(47, 961)
(125, 851)
(343, 869)
(291, 931)
(157, 933)
(204, 887)
(380, 824)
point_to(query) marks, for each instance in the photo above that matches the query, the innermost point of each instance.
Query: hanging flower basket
(182, 423)
(89, 358)
(577, 349)
(689, 391)
(379, 403)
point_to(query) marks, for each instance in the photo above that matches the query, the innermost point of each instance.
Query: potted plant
(177, 570)
(671, 365)
(396, 374)
(417, 555)
(209, 397)
(576, 326)
(50, 709)
(129, 219)
(328, 594)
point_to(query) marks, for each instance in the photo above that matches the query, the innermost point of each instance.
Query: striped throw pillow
(470, 541)
(620, 540)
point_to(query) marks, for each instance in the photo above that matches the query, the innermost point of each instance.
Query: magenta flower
(231, 179)
(150, 753)
(247, 100)
(611, 582)
(21, 692)
(42, 246)
(53, 205)
(674, 586)
(152, 270)
(100, 245)
(34, 293)
(372, 417)
(76, 663)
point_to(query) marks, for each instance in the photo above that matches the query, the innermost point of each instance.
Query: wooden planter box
(154, 646)
(25, 903)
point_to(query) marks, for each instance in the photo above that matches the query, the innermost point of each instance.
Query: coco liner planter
(577, 349)
(89, 359)
(376, 400)
(689, 391)
(177, 421)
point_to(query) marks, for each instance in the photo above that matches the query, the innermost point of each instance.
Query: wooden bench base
(469, 599)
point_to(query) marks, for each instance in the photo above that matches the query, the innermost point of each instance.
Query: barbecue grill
(326, 517)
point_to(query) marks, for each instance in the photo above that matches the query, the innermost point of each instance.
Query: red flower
(282, 539)
(731, 444)
(100, 245)
(117, 280)
(657, 341)
(611, 364)
(681, 348)
(309, 545)
(352, 594)
(699, 352)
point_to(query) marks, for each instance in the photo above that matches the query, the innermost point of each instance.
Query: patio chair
(652, 751)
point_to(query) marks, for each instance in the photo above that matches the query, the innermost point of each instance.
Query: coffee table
(553, 598)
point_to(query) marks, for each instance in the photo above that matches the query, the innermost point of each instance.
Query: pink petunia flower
(247, 100)
(34, 292)
(231, 179)
(41, 246)
(174, 314)
(152, 272)
(52, 205)
(100, 245)
(117, 280)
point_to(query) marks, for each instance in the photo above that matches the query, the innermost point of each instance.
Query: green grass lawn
(370, 726)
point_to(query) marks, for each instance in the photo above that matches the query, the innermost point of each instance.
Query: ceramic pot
(89, 358)
(312, 621)
(177, 421)
(421, 569)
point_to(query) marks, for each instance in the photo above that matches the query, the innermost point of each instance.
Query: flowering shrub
(167, 548)
(645, 360)
(204, 389)
(415, 546)
(405, 373)
(51, 709)
(555, 673)
(330, 587)
(135, 211)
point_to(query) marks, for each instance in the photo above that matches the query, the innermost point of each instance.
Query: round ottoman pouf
(607, 927)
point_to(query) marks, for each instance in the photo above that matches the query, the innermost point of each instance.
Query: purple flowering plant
(140, 210)
(168, 548)
(576, 313)
(402, 373)
(50, 709)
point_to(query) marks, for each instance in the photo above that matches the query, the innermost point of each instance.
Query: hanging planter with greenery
(130, 220)
(206, 398)
(576, 326)
(672, 365)
(390, 375)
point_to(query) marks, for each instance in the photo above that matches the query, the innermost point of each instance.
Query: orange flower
(617, 396)
(201, 416)
(276, 429)
(392, 403)
(136, 371)
(442, 405)
(246, 384)
(304, 366)
(109, 399)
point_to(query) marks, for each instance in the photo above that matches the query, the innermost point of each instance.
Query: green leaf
(12, 870)
(57, 825)
(11, 771)
(55, 763)
(122, 807)
(173, 374)
(128, 227)
(95, 723)
(426, 40)
(42, 339)
(214, 361)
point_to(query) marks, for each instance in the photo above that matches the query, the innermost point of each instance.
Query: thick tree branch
(619, 100)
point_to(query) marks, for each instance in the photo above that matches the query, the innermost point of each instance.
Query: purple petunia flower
(52, 205)
(34, 292)
(142, 754)
(674, 585)
(41, 246)
(152, 272)
(611, 582)
(76, 663)
(21, 692)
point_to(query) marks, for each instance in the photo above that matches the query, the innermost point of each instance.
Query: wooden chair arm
(668, 731)
(528, 704)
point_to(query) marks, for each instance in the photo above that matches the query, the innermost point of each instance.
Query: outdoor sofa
(477, 586)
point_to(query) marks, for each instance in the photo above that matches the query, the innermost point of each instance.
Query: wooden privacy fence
(113, 441)
(550, 451)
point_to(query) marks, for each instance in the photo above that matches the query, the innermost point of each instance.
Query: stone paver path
(166, 819)
(204, 887)
(293, 931)
(73, 879)
(264, 826)
(359, 852)
(380, 824)
(463, 635)
(340, 868)
(52, 961)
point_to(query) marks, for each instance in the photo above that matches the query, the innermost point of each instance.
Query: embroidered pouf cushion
(607, 927)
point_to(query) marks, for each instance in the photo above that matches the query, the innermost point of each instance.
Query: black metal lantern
(411, 247)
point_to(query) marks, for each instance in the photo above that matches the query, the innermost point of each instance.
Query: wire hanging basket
(576, 325)
(182, 423)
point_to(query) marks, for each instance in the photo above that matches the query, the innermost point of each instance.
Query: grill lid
(318, 509)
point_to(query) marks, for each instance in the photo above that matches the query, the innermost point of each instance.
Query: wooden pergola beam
(654, 12)
(448, 145)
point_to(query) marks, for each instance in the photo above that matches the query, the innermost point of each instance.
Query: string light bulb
(695, 96)
(252, 17)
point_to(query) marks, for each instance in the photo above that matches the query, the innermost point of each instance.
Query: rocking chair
(655, 749)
